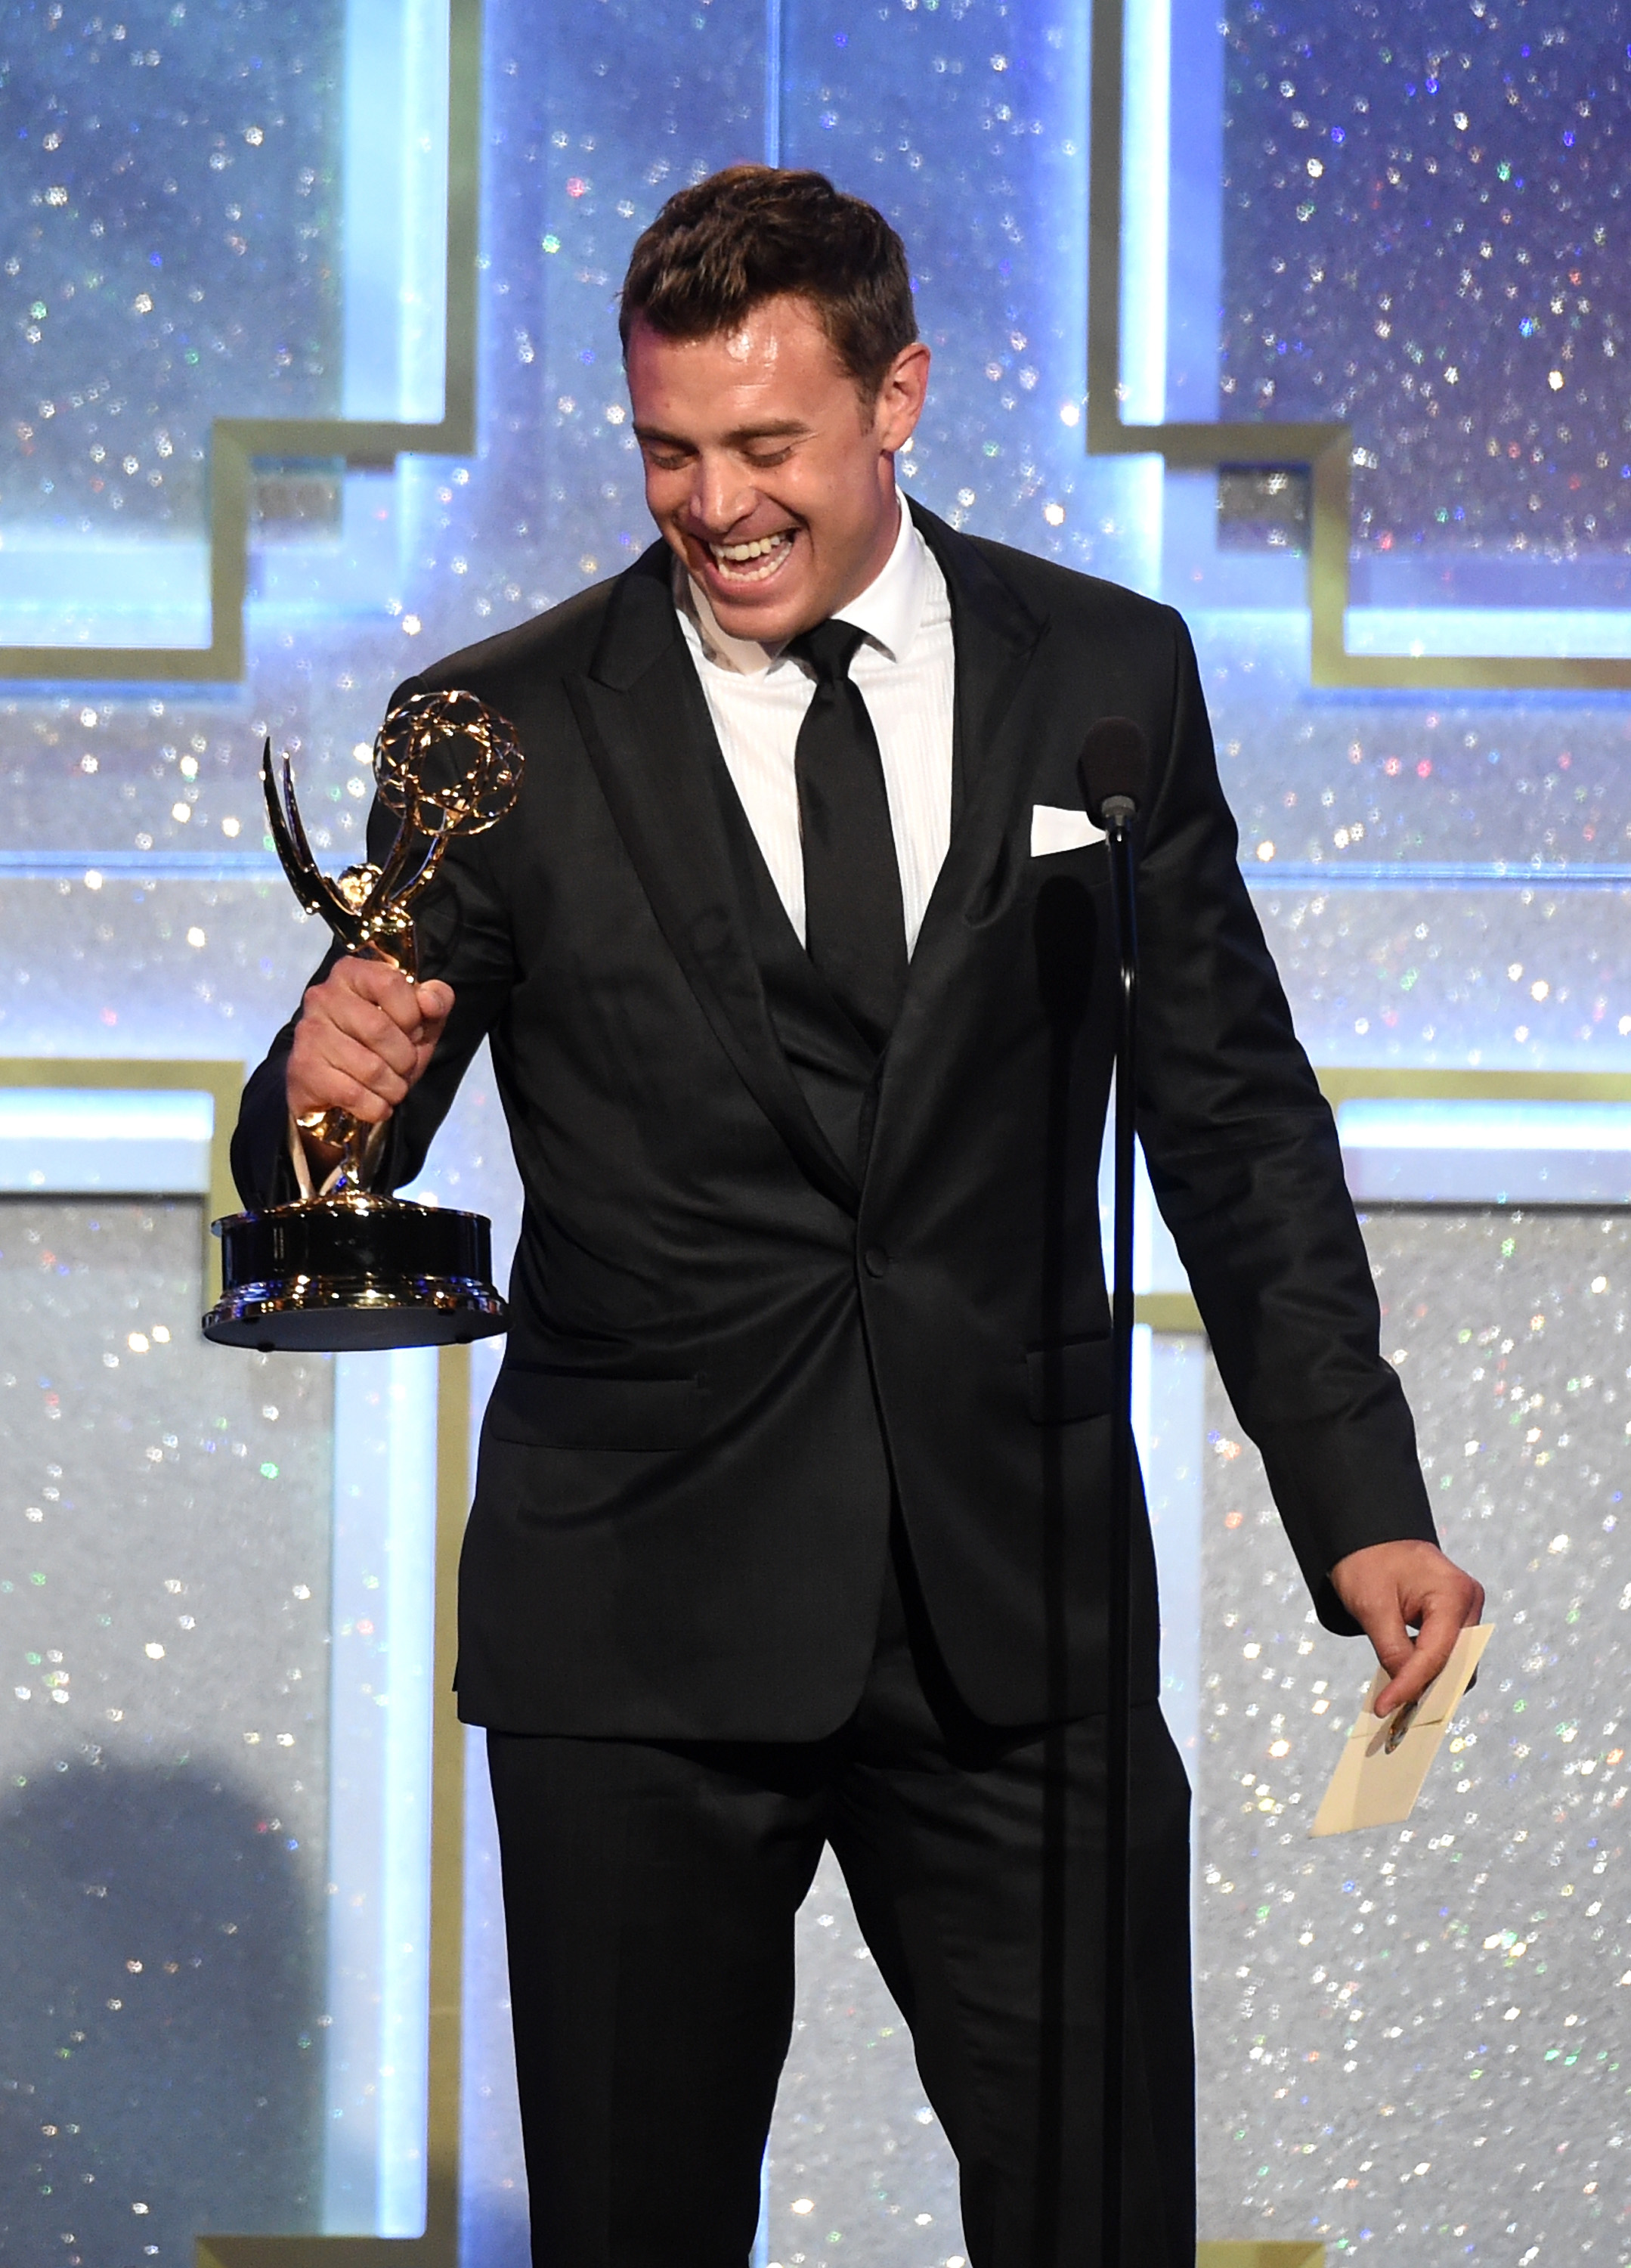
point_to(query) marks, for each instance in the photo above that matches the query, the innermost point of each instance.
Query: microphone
(1112, 768)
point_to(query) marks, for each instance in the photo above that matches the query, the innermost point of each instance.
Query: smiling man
(789, 1523)
(769, 464)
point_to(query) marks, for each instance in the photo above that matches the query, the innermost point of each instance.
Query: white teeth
(756, 550)
(763, 556)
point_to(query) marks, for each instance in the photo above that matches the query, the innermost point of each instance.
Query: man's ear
(900, 397)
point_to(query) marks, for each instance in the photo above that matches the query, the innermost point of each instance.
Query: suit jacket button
(875, 1260)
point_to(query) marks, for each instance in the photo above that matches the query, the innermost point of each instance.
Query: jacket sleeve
(464, 938)
(1244, 1164)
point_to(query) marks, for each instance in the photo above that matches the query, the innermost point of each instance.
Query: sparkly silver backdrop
(859, 2169)
(164, 1608)
(1421, 2038)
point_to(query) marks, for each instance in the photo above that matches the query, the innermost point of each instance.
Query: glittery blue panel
(1456, 973)
(1424, 223)
(168, 238)
(967, 126)
(1350, 780)
(601, 112)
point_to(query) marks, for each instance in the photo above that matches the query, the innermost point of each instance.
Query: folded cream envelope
(1385, 1763)
(1054, 830)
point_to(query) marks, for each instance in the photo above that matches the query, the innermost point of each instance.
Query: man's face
(765, 470)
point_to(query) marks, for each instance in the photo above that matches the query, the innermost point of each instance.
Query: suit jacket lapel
(645, 722)
(995, 639)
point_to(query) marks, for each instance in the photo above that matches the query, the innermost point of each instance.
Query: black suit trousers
(650, 1893)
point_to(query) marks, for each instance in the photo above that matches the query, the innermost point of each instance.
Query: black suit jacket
(765, 1287)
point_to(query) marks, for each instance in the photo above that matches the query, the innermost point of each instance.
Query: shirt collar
(888, 611)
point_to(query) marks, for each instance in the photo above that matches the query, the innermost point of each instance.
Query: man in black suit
(788, 1527)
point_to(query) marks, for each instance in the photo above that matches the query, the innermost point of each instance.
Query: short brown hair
(753, 232)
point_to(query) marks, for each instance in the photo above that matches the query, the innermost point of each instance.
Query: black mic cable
(1114, 769)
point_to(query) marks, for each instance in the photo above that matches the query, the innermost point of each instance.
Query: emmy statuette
(346, 1265)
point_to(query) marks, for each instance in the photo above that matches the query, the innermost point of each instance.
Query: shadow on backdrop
(140, 2104)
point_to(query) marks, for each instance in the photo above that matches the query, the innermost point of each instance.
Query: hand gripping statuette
(347, 1265)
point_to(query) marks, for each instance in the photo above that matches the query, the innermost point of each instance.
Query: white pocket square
(1054, 830)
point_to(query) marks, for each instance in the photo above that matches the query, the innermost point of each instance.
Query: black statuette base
(342, 1274)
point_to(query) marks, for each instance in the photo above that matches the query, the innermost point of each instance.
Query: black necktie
(855, 930)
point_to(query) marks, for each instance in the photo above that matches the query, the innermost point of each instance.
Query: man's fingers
(435, 1003)
(1441, 1626)
(355, 1024)
(1382, 1621)
(356, 991)
(1388, 1588)
(331, 1068)
(366, 1022)
(364, 1038)
(341, 1074)
(385, 1075)
(337, 1092)
(361, 1102)
(384, 986)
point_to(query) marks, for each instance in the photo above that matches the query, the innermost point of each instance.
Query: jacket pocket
(1069, 1380)
(573, 1410)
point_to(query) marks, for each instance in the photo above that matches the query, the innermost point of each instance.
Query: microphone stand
(1118, 814)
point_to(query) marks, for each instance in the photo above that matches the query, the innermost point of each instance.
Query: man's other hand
(1392, 1588)
(363, 1040)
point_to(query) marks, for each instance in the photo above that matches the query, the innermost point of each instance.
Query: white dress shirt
(757, 697)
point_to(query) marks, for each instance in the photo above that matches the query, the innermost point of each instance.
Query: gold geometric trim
(439, 2246)
(1260, 2256)
(1344, 1083)
(1174, 1314)
(235, 443)
(224, 1082)
(1323, 449)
